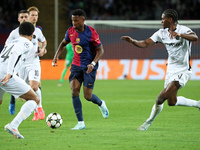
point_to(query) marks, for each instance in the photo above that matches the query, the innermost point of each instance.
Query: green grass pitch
(129, 103)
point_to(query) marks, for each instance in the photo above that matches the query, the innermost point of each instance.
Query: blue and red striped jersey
(84, 44)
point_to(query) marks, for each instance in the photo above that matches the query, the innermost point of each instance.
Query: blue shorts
(80, 74)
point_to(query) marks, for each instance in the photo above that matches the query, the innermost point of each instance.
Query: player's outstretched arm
(59, 51)
(141, 44)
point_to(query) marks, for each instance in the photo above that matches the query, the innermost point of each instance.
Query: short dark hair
(171, 13)
(26, 28)
(79, 12)
(22, 11)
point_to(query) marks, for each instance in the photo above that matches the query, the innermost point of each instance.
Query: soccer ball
(54, 120)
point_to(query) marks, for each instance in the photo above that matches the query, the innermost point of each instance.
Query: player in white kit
(31, 71)
(177, 40)
(22, 17)
(34, 70)
(12, 59)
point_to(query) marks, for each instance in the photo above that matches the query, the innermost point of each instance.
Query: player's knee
(75, 92)
(34, 87)
(171, 102)
(1, 101)
(88, 97)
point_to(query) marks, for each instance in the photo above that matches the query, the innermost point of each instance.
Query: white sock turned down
(181, 101)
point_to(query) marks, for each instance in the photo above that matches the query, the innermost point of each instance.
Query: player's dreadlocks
(171, 13)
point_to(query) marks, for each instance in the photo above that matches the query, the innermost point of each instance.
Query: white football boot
(144, 126)
(13, 131)
(104, 109)
(79, 126)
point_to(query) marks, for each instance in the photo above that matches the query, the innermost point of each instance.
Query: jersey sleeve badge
(26, 45)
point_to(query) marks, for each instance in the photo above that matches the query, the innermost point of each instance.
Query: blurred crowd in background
(135, 9)
(9, 12)
(109, 9)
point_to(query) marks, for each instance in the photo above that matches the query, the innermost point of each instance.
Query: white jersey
(37, 36)
(179, 49)
(14, 55)
(33, 57)
(13, 35)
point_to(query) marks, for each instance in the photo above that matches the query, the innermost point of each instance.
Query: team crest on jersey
(78, 49)
(26, 45)
(77, 40)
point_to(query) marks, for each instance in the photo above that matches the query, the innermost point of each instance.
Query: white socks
(156, 109)
(25, 111)
(39, 94)
(182, 101)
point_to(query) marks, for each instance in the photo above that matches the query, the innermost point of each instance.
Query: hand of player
(23, 100)
(173, 34)
(45, 51)
(42, 52)
(6, 79)
(90, 68)
(54, 62)
(127, 38)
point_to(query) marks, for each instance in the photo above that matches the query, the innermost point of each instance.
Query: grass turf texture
(129, 103)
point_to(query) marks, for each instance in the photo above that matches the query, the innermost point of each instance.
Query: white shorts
(32, 72)
(16, 87)
(181, 77)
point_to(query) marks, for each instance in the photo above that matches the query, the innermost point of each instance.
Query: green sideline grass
(129, 103)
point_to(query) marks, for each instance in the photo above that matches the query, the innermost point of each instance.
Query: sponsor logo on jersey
(77, 40)
(175, 44)
(78, 49)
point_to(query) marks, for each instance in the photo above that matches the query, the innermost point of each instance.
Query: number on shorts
(36, 72)
(180, 76)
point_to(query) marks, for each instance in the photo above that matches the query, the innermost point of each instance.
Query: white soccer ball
(54, 120)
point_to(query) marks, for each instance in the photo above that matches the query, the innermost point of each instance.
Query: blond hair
(33, 8)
